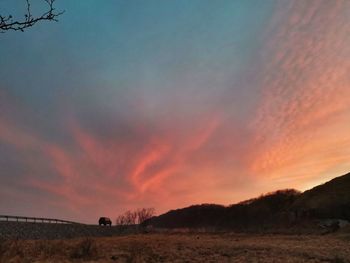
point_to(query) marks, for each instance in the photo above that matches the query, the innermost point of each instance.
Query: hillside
(23, 230)
(329, 200)
(280, 209)
(193, 216)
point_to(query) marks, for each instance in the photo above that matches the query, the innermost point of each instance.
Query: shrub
(86, 249)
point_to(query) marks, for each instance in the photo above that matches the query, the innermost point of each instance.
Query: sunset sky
(164, 104)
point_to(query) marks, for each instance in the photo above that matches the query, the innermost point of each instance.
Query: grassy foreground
(181, 248)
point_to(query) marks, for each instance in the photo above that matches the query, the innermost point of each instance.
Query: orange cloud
(94, 171)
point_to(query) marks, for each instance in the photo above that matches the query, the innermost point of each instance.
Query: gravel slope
(23, 230)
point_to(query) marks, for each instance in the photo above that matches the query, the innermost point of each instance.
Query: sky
(128, 104)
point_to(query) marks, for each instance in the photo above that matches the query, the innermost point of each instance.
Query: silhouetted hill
(329, 200)
(283, 208)
(257, 211)
(266, 210)
(193, 216)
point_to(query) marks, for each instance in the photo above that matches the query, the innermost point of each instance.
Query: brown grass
(175, 247)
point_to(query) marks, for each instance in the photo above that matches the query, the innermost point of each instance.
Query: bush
(86, 249)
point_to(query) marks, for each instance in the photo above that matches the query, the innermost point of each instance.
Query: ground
(182, 247)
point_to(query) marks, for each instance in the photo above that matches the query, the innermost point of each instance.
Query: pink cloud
(305, 88)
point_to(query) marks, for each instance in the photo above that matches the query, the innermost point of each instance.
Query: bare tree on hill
(144, 213)
(135, 217)
(8, 22)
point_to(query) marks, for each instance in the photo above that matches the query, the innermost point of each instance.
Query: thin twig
(8, 23)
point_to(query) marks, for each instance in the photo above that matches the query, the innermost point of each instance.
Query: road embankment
(23, 230)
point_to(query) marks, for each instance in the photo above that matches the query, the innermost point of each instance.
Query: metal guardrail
(8, 218)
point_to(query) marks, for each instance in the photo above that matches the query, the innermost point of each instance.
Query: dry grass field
(182, 248)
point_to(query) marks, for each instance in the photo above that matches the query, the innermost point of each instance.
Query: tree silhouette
(144, 213)
(8, 22)
(137, 216)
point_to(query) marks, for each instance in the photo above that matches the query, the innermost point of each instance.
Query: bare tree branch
(8, 23)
